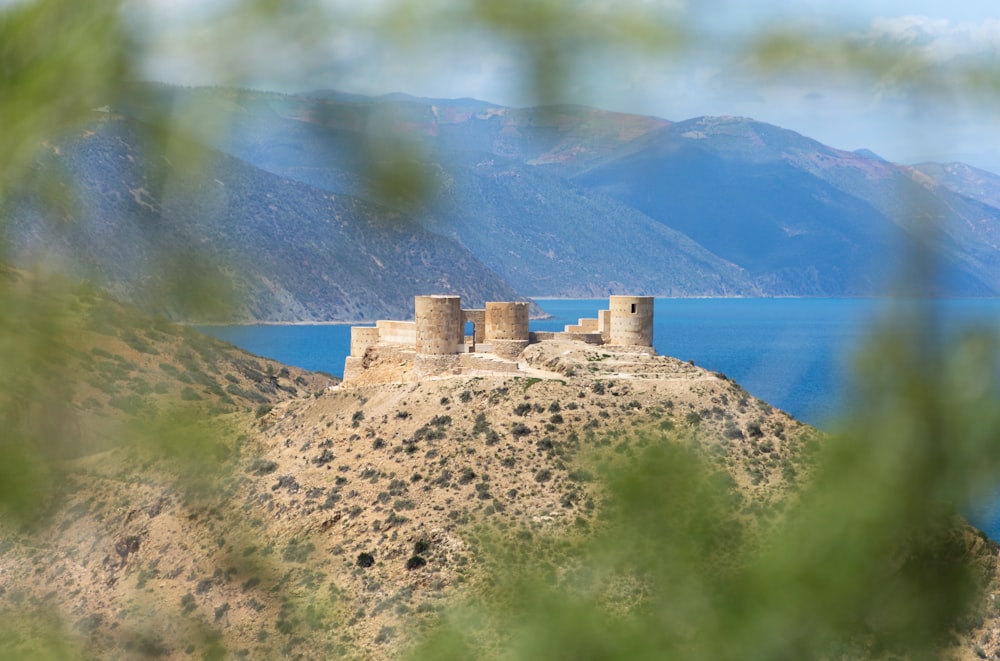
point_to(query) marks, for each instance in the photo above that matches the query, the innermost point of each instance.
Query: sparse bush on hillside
(262, 467)
(429, 433)
(140, 344)
(481, 425)
(236, 390)
(297, 551)
(189, 395)
(732, 430)
(325, 457)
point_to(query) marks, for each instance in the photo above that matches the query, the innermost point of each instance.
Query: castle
(435, 342)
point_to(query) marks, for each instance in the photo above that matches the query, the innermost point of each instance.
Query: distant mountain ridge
(564, 200)
(286, 250)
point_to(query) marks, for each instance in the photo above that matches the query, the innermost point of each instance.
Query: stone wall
(439, 325)
(352, 368)
(397, 332)
(507, 321)
(583, 326)
(472, 363)
(363, 337)
(632, 320)
(434, 342)
(604, 324)
(510, 349)
(478, 319)
(544, 336)
(425, 365)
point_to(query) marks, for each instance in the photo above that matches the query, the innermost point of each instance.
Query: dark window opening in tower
(633, 308)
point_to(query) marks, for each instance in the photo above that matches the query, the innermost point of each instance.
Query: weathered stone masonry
(435, 342)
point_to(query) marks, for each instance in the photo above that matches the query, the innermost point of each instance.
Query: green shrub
(519, 429)
(297, 551)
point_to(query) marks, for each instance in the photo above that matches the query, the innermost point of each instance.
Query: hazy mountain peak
(868, 153)
(563, 200)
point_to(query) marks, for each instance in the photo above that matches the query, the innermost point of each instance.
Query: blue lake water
(793, 353)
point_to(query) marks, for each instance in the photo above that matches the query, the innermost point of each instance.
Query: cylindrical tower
(507, 321)
(439, 324)
(632, 320)
(362, 337)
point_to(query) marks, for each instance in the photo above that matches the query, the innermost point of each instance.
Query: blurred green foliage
(58, 61)
(869, 560)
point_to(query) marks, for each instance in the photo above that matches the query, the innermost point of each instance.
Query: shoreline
(538, 299)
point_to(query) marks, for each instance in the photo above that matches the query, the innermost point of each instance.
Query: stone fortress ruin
(444, 338)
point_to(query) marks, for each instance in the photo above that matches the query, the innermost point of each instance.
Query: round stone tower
(632, 321)
(439, 324)
(507, 328)
(507, 321)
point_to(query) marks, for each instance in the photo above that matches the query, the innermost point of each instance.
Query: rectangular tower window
(633, 308)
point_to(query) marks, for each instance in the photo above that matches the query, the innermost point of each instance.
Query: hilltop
(346, 521)
(394, 471)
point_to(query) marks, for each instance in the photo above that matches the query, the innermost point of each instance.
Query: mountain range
(328, 206)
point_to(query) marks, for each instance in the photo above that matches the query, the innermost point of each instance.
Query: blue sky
(710, 76)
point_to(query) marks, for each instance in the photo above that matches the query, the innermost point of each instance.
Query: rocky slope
(192, 234)
(705, 206)
(349, 521)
